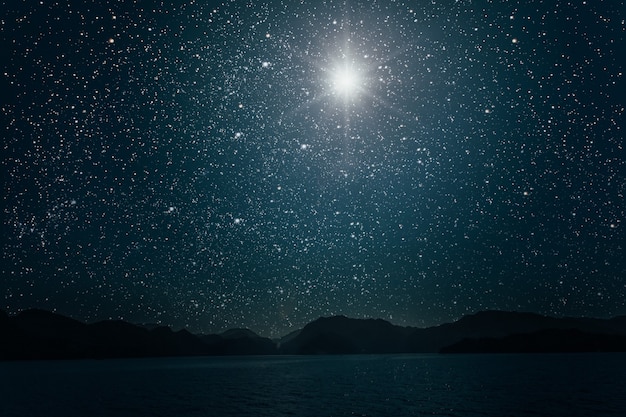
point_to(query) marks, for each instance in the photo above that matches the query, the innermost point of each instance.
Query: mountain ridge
(40, 334)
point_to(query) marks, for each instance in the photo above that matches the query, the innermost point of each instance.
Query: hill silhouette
(498, 324)
(546, 341)
(341, 335)
(239, 342)
(39, 334)
(344, 335)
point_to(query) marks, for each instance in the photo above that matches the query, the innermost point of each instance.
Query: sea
(472, 385)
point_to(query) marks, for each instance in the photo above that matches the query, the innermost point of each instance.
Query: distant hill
(39, 334)
(547, 341)
(498, 324)
(341, 335)
(239, 342)
(344, 335)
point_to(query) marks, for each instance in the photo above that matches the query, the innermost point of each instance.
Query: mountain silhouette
(344, 335)
(341, 335)
(39, 334)
(550, 340)
(239, 342)
(498, 324)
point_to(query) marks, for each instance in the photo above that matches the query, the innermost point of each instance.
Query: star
(346, 82)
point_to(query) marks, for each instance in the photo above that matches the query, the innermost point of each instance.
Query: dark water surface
(377, 385)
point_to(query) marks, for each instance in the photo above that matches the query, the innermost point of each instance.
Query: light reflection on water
(374, 385)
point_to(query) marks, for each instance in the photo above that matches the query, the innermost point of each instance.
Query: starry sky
(260, 164)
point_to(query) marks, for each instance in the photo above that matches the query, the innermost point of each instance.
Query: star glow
(346, 82)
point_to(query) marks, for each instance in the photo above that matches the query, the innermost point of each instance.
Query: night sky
(248, 164)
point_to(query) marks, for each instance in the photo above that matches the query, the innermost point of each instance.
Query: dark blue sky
(259, 165)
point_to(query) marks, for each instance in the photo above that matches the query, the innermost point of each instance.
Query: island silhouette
(40, 334)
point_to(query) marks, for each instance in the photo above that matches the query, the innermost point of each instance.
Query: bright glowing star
(346, 81)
